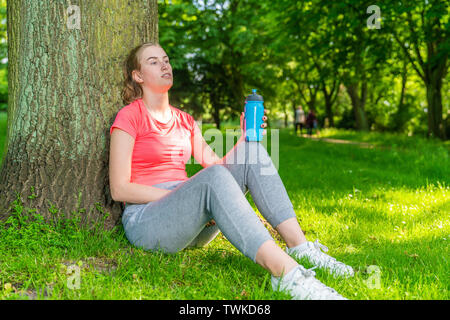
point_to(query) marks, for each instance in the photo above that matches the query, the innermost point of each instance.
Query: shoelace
(330, 261)
(326, 260)
(320, 246)
(306, 272)
(309, 272)
(310, 281)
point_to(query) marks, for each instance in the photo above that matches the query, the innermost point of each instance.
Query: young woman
(151, 141)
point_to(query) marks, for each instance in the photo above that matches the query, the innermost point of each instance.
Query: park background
(372, 185)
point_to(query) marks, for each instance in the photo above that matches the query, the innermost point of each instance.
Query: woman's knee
(219, 172)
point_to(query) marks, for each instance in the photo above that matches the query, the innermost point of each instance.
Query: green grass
(386, 207)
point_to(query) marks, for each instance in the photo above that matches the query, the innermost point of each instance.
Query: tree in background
(65, 78)
(313, 52)
(422, 31)
(303, 49)
(220, 45)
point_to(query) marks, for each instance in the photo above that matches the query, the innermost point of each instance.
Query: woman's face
(156, 71)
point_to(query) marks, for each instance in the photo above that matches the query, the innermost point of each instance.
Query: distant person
(300, 119)
(311, 121)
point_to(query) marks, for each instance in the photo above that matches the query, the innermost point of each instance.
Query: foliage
(217, 55)
(296, 53)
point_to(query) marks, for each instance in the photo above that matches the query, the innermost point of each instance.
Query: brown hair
(131, 89)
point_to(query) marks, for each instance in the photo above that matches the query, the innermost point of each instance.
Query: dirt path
(339, 141)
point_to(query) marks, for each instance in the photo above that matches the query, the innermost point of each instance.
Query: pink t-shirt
(160, 151)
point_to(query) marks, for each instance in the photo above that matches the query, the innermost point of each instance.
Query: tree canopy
(359, 66)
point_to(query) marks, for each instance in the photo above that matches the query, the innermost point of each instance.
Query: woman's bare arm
(121, 149)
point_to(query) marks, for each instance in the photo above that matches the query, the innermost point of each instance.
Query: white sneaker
(313, 253)
(303, 285)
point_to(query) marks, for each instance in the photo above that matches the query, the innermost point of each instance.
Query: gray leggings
(178, 220)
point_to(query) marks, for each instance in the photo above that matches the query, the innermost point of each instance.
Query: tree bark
(294, 107)
(436, 125)
(435, 69)
(399, 118)
(216, 108)
(358, 103)
(330, 98)
(64, 91)
(329, 111)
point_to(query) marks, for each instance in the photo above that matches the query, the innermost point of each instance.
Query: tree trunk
(435, 69)
(312, 100)
(358, 103)
(285, 112)
(330, 98)
(216, 114)
(400, 117)
(294, 107)
(434, 73)
(434, 98)
(64, 93)
(329, 110)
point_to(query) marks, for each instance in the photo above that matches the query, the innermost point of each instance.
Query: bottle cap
(254, 96)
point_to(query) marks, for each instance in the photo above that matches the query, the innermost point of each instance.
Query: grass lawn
(386, 207)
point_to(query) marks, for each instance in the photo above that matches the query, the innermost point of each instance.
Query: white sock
(288, 276)
(300, 247)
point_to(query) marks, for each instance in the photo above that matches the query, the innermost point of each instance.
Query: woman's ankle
(272, 258)
(291, 232)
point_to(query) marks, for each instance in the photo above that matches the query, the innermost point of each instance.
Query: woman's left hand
(264, 125)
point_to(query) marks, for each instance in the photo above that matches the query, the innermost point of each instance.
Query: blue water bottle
(254, 112)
